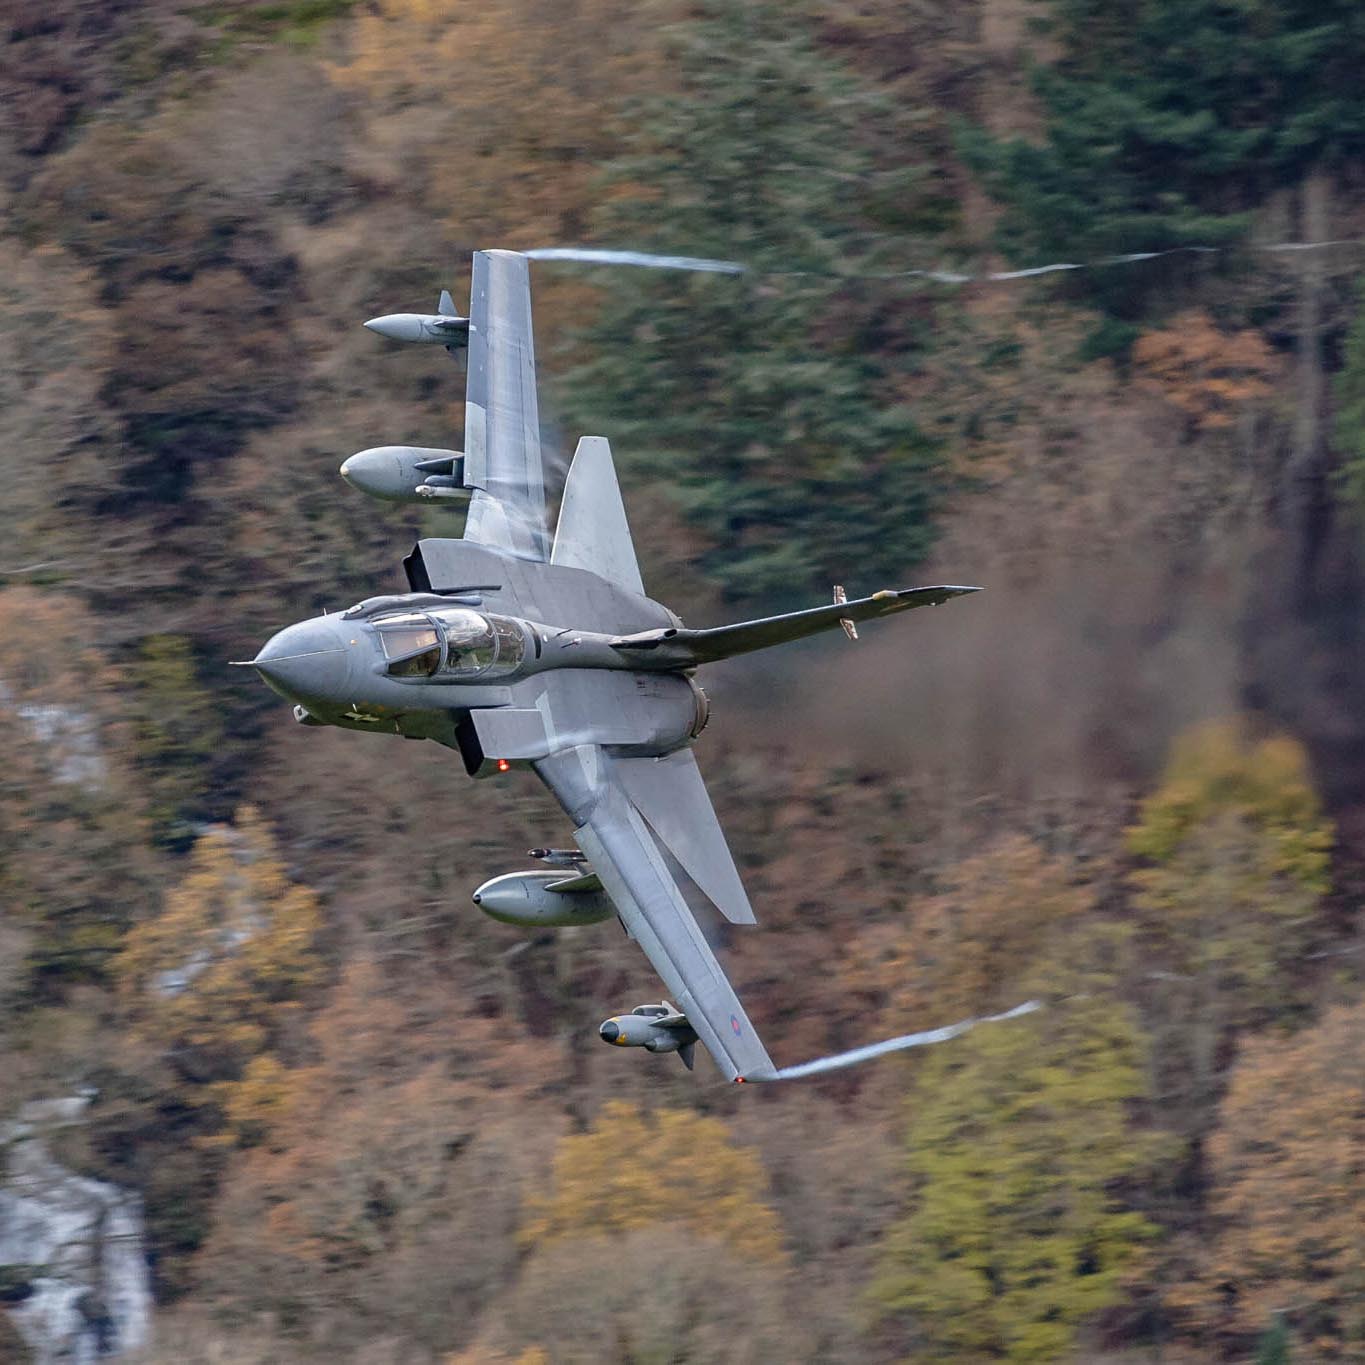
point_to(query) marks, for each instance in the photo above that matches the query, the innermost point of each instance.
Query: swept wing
(502, 420)
(638, 873)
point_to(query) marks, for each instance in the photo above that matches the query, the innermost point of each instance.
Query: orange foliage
(965, 950)
(1288, 1166)
(383, 1174)
(1209, 375)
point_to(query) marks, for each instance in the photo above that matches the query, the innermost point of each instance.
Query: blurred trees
(765, 402)
(1289, 1189)
(619, 1176)
(177, 732)
(1205, 373)
(214, 976)
(969, 948)
(496, 112)
(202, 202)
(1236, 853)
(1166, 122)
(650, 1294)
(1349, 432)
(379, 1188)
(1018, 1146)
(75, 864)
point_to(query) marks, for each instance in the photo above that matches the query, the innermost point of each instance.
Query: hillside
(368, 1124)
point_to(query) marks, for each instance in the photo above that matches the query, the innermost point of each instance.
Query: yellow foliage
(1238, 849)
(258, 1101)
(1018, 1140)
(1217, 767)
(634, 1170)
(225, 962)
(1205, 373)
(478, 1355)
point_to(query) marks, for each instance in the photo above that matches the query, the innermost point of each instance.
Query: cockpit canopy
(455, 642)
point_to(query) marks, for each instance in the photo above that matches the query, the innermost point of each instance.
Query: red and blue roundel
(734, 1026)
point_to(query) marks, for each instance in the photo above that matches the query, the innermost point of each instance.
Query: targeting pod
(656, 1028)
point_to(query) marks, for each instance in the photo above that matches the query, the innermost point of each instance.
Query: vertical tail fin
(593, 532)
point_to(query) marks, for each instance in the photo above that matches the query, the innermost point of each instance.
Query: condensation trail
(604, 256)
(908, 1040)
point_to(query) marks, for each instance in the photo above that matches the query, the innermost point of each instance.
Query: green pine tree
(1350, 420)
(1273, 1348)
(1168, 121)
(765, 402)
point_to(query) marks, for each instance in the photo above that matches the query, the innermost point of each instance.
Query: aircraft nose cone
(306, 662)
(610, 1031)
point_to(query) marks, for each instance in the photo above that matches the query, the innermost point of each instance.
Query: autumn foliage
(1210, 376)
(369, 1126)
(1288, 1165)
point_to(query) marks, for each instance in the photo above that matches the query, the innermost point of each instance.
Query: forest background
(368, 1124)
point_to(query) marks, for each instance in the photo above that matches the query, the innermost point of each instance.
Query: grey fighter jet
(521, 649)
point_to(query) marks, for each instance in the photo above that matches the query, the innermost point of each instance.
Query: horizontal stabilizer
(670, 794)
(510, 732)
(680, 647)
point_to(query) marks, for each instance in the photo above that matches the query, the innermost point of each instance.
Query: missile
(441, 328)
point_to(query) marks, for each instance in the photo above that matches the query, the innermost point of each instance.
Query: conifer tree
(763, 401)
(1350, 420)
(1167, 122)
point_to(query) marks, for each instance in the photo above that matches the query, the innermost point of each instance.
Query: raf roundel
(734, 1026)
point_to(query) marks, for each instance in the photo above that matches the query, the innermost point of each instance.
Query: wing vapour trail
(907, 1040)
(603, 256)
(642, 258)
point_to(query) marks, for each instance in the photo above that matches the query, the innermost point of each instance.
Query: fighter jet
(517, 649)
